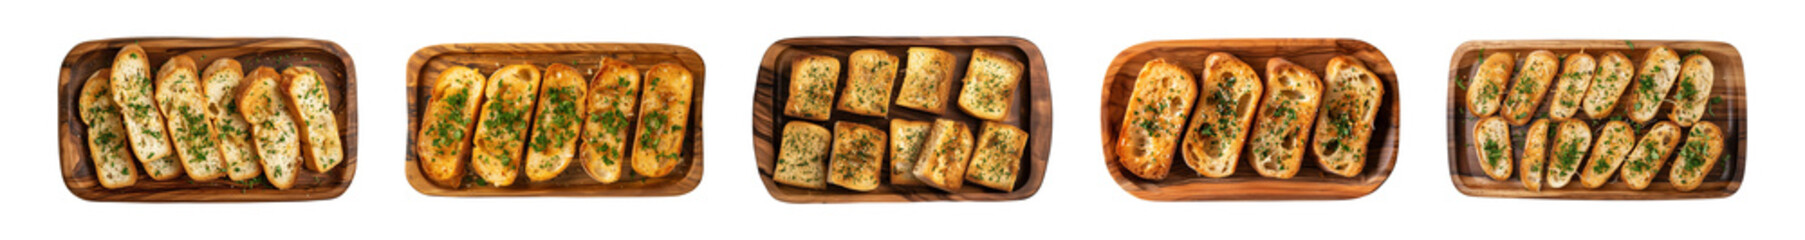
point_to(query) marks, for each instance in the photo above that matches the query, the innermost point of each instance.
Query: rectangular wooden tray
(1184, 184)
(1730, 114)
(423, 72)
(333, 64)
(1032, 111)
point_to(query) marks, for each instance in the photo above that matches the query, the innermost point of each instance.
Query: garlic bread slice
(858, 156)
(990, 82)
(1576, 76)
(322, 147)
(1218, 130)
(1154, 118)
(220, 82)
(801, 161)
(1704, 145)
(1572, 139)
(184, 104)
(1349, 105)
(1613, 76)
(1652, 83)
(134, 91)
(1283, 125)
(445, 128)
(1650, 154)
(557, 122)
(1488, 83)
(944, 158)
(1491, 139)
(1532, 80)
(663, 121)
(1694, 91)
(870, 72)
(1614, 141)
(273, 126)
(927, 80)
(113, 164)
(501, 129)
(610, 103)
(997, 160)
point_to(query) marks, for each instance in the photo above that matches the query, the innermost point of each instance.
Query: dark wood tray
(333, 64)
(1311, 182)
(423, 72)
(1032, 111)
(1730, 114)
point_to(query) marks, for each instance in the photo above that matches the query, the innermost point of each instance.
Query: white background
(1078, 198)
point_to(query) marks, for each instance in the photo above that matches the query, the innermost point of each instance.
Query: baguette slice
(868, 81)
(222, 79)
(445, 128)
(1162, 96)
(1576, 77)
(557, 122)
(1230, 93)
(664, 115)
(997, 159)
(610, 105)
(1535, 154)
(990, 83)
(812, 81)
(927, 80)
(132, 89)
(1650, 154)
(1292, 92)
(906, 140)
(272, 126)
(1488, 83)
(501, 129)
(1652, 82)
(800, 160)
(1614, 139)
(183, 101)
(1608, 83)
(944, 157)
(113, 165)
(1694, 92)
(1531, 85)
(1571, 141)
(323, 147)
(1704, 144)
(1349, 107)
(1491, 138)
(858, 156)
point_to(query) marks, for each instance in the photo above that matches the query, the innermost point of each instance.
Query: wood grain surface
(1311, 182)
(423, 72)
(1730, 114)
(326, 57)
(1032, 110)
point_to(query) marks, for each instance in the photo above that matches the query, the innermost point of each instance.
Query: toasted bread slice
(990, 82)
(1491, 139)
(1694, 92)
(1704, 144)
(133, 90)
(1608, 83)
(220, 82)
(944, 157)
(868, 80)
(1292, 94)
(858, 156)
(997, 160)
(1571, 141)
(1653, 80)
(557, 122)
(610, 105)
(1576, 76)
(812, 81)
(1349, 106)
(113, 165)
(906, 140)
(183, 101)
(664, 118)
(927, 80)
(800, 160)
(1525, 95)
(1230, 93)
(1650, 154)
(445, 128)
(1535, 154)
(1614, 139)
(501, 129)
(1488, 83)
(273, 126)
(1162, 96)
(322, 147)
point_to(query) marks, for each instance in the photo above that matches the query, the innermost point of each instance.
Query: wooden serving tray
(1032, 111)
(423, 72)
(1730, 114)
(1311, 182)
(326, 57)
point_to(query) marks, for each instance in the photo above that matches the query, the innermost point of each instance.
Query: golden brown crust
(664, 120)
(1163, 94)
(1570, 91)
(906, 141)
(1283, 125)
(1535, 152)
(557, 121)
(997, 159)
(501, 128)
(1491, 142)
(1614, 139)
(1650, 155)
(1608, 83)
(1704, 145)
(446, 127)
(612, 96)
(944, 158)
(870, 72)
(858, 154)
(273, 127)
(1488, 83)
(927, 80)
(1652, 83)
(1349, 105)
(1572, 140)
(1525, 95)
(800, 161)
(1230, 93)
(113, 165)
(990, 82)
(1693, 94)
(812, 81)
